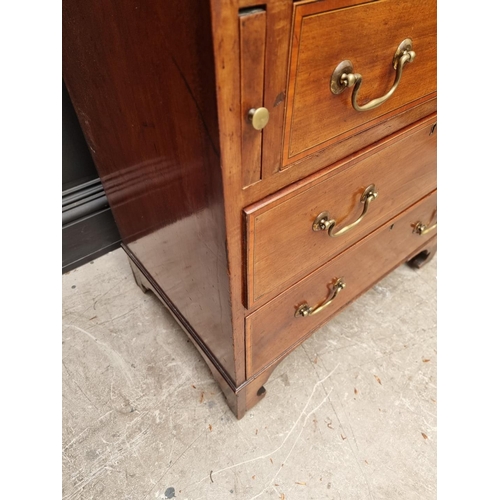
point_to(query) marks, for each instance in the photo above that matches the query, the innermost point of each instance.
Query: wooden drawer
(367, 34)
(274, 328)
(281, 243)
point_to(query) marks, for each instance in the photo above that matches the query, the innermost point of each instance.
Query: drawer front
(367, 35)
(277, 326)
(282, 244)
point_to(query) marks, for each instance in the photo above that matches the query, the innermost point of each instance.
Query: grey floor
(351, 414)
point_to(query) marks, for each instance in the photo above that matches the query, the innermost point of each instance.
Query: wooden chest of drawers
(266, 162)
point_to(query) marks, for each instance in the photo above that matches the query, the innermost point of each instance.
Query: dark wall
(88, 227)
(78, 166)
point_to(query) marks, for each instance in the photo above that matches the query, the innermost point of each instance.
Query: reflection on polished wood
(215, 212)
(144, 90)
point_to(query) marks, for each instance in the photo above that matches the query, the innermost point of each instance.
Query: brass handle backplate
(306, 310)
(258, 117)
(420, 228)
(344, 76)
(323, 221)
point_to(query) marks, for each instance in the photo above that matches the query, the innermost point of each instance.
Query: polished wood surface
(279, 13)
(252, 52)
(225, 32)
(144, 89)
(281, 245)
(273, 329)
(332, 154)
(326, 33)
(162, 90)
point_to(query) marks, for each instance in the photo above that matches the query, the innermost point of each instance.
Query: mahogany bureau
(266, 161)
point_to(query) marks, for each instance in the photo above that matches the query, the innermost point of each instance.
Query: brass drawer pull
(305, 310)
(421, 228)
(323, 221)
(344, 77)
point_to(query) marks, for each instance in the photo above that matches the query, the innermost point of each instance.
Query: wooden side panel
(273, 330)
(252, 51)
(141, 78)
(281, 244)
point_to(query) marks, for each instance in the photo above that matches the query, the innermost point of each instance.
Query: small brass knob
(258, 118)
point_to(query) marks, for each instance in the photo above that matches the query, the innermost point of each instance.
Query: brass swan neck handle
(306, 310)
(344, 77)
(324, 223)
(420, 228)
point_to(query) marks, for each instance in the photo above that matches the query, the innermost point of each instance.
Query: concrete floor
(351, 414)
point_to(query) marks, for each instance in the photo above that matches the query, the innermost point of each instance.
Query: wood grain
(279, 15)
(281, 245)
(161, 91)
(252, 52)
(142, 81)
(225, 32)
(336, 153)
(273, 330)
(368, 35)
